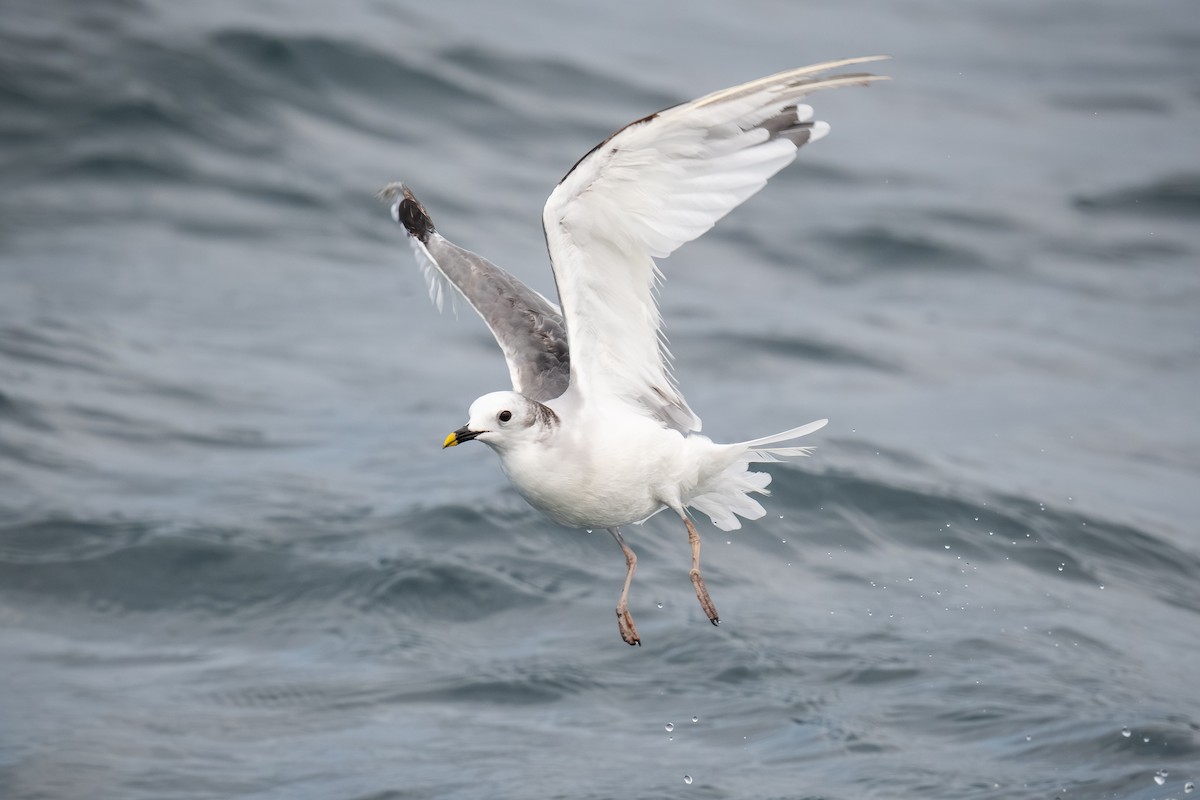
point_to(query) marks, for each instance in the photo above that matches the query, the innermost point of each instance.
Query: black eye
(504, 416)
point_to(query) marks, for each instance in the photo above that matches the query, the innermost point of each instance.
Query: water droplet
(695, 719)
(910, 578)
(670, 727)
(1146, 739)
(1189, 787)
(1061, 567)
(687, 779)
(1160, 777)
(783, 541)
(660, 606)
(1126, 732)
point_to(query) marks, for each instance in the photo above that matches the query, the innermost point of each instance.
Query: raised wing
(527, 326)
(647, 189)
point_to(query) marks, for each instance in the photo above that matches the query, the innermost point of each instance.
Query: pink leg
(624, 620)
(697, 580)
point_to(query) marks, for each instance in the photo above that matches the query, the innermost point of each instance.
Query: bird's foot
(626, 626)
(706, 602)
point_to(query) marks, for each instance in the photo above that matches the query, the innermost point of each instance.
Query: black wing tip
(408, 211)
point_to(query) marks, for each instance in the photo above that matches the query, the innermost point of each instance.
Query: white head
(503, 419)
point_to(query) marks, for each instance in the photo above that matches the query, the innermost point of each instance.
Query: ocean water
(235, 563)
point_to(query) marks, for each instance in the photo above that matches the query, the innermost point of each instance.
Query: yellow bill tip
(451, 440)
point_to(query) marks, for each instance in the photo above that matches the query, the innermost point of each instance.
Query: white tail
(728, 496)
(760, 453)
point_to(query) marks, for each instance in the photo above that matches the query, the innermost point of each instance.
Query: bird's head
(503, 419)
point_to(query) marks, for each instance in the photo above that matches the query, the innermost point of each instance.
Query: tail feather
(780, 453)
(758, 452)
(727, 496)
(786, 436)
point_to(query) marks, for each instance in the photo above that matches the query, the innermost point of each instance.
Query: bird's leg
(624, 620)
(697, 579)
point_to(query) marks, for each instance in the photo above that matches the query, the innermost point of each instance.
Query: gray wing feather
(527, 326)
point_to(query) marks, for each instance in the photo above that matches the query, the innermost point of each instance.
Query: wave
(1171, 196)
(733, 346)
(885, 249)
(509, 560)
(1044, 540)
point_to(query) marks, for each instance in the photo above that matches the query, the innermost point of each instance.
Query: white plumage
(596, 433)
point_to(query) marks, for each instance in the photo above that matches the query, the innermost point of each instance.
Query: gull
(595, 432)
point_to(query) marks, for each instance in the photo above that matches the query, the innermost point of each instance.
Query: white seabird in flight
(595, 432)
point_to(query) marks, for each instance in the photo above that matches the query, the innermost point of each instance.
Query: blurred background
(234, 561)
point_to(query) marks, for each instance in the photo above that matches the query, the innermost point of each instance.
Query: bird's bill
(463, 434)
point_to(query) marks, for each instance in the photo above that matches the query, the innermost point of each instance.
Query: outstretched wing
(527, 326)
(647, 189)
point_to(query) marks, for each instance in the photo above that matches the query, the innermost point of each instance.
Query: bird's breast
(599, 481)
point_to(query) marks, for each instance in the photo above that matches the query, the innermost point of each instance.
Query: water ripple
(1172, 196)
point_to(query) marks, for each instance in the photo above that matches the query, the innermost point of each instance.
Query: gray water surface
(234, 562)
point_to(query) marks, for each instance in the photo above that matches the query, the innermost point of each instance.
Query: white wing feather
(654, 185)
